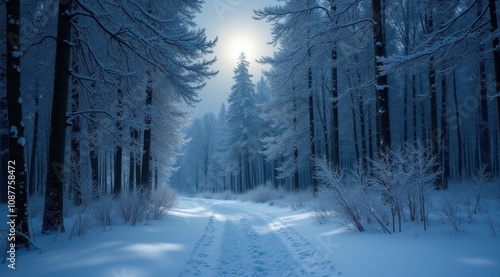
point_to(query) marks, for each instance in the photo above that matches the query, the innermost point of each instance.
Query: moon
(242, 44)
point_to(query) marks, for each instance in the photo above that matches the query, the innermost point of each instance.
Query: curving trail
(240, 241)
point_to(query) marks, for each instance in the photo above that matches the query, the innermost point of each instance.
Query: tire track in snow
(201, 262)
(314, 262)
(250, 248)
(240, 241)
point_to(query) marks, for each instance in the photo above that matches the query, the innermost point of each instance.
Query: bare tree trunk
(117, 185)
(445, 152)
(355, 129)
(31, 183)
(4, 121)
(483, 97)
(146, 183)
(335, 94)
(382, 89)
(16, 165)
(314, 181)
(496, 53)
(132, 162)
(4, 139)
(434, 131)
(53, 211)
(94, 156)
(75, 135)
(459, 135)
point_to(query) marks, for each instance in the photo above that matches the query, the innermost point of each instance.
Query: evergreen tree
(242, 124)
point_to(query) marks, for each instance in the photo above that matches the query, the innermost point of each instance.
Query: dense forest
(349, 81)
(97, 98)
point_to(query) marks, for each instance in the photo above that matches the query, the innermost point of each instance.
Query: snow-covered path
(240, 241)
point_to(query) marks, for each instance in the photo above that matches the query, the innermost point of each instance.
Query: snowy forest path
(240, 241)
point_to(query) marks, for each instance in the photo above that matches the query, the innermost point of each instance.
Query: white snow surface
(203, 237)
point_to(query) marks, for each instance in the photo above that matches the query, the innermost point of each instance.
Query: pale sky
(231, 21)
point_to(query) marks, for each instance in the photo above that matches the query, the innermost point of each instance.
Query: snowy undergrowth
(401, 191)
(266, 193)
(102, 213)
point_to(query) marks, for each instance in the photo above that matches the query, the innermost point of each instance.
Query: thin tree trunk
(295, 153)
(363, 131)
(414, 104)
(355, 129)
(459, 135)
(146, 183)
(314, 182)
(75, 135)
(53, 211)
(34, 148)
(484, 126)
(382, 89)
(433, 108)
(405, 109)
(370, 141)
(117, 185)
(335, 112)
(132, 161)
(94, 157)
(445, 152)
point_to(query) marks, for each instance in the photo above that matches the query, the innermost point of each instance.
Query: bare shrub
(450, 212)
(481, 181)
(82, 224)
(226, 195)
(162, 200)
(322, 209)
(298, 200)
(103, 212)
(265, 193)
(132, 207)
(344, 197)
(491, 223)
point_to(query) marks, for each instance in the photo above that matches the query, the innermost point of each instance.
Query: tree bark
(53, 211)
(445, 152)
(382, 89)
(94, 156)
(4, 121)
(459, 134)
(496, 53)
(75, 137)
(314, 181)
(117, 185)
(146, 183)
(16, 165)
(34, 148)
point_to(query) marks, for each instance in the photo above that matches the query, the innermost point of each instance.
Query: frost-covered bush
(162, 200)
(265, 193)
(82, 224)
(103, 211)
(405, 177)
(344, 197)
(398, 184)
(137, 206)
(450, 211)
(298, 200)
(322, 208)
(132, 206)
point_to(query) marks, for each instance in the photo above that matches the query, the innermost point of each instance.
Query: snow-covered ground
(202, 237)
